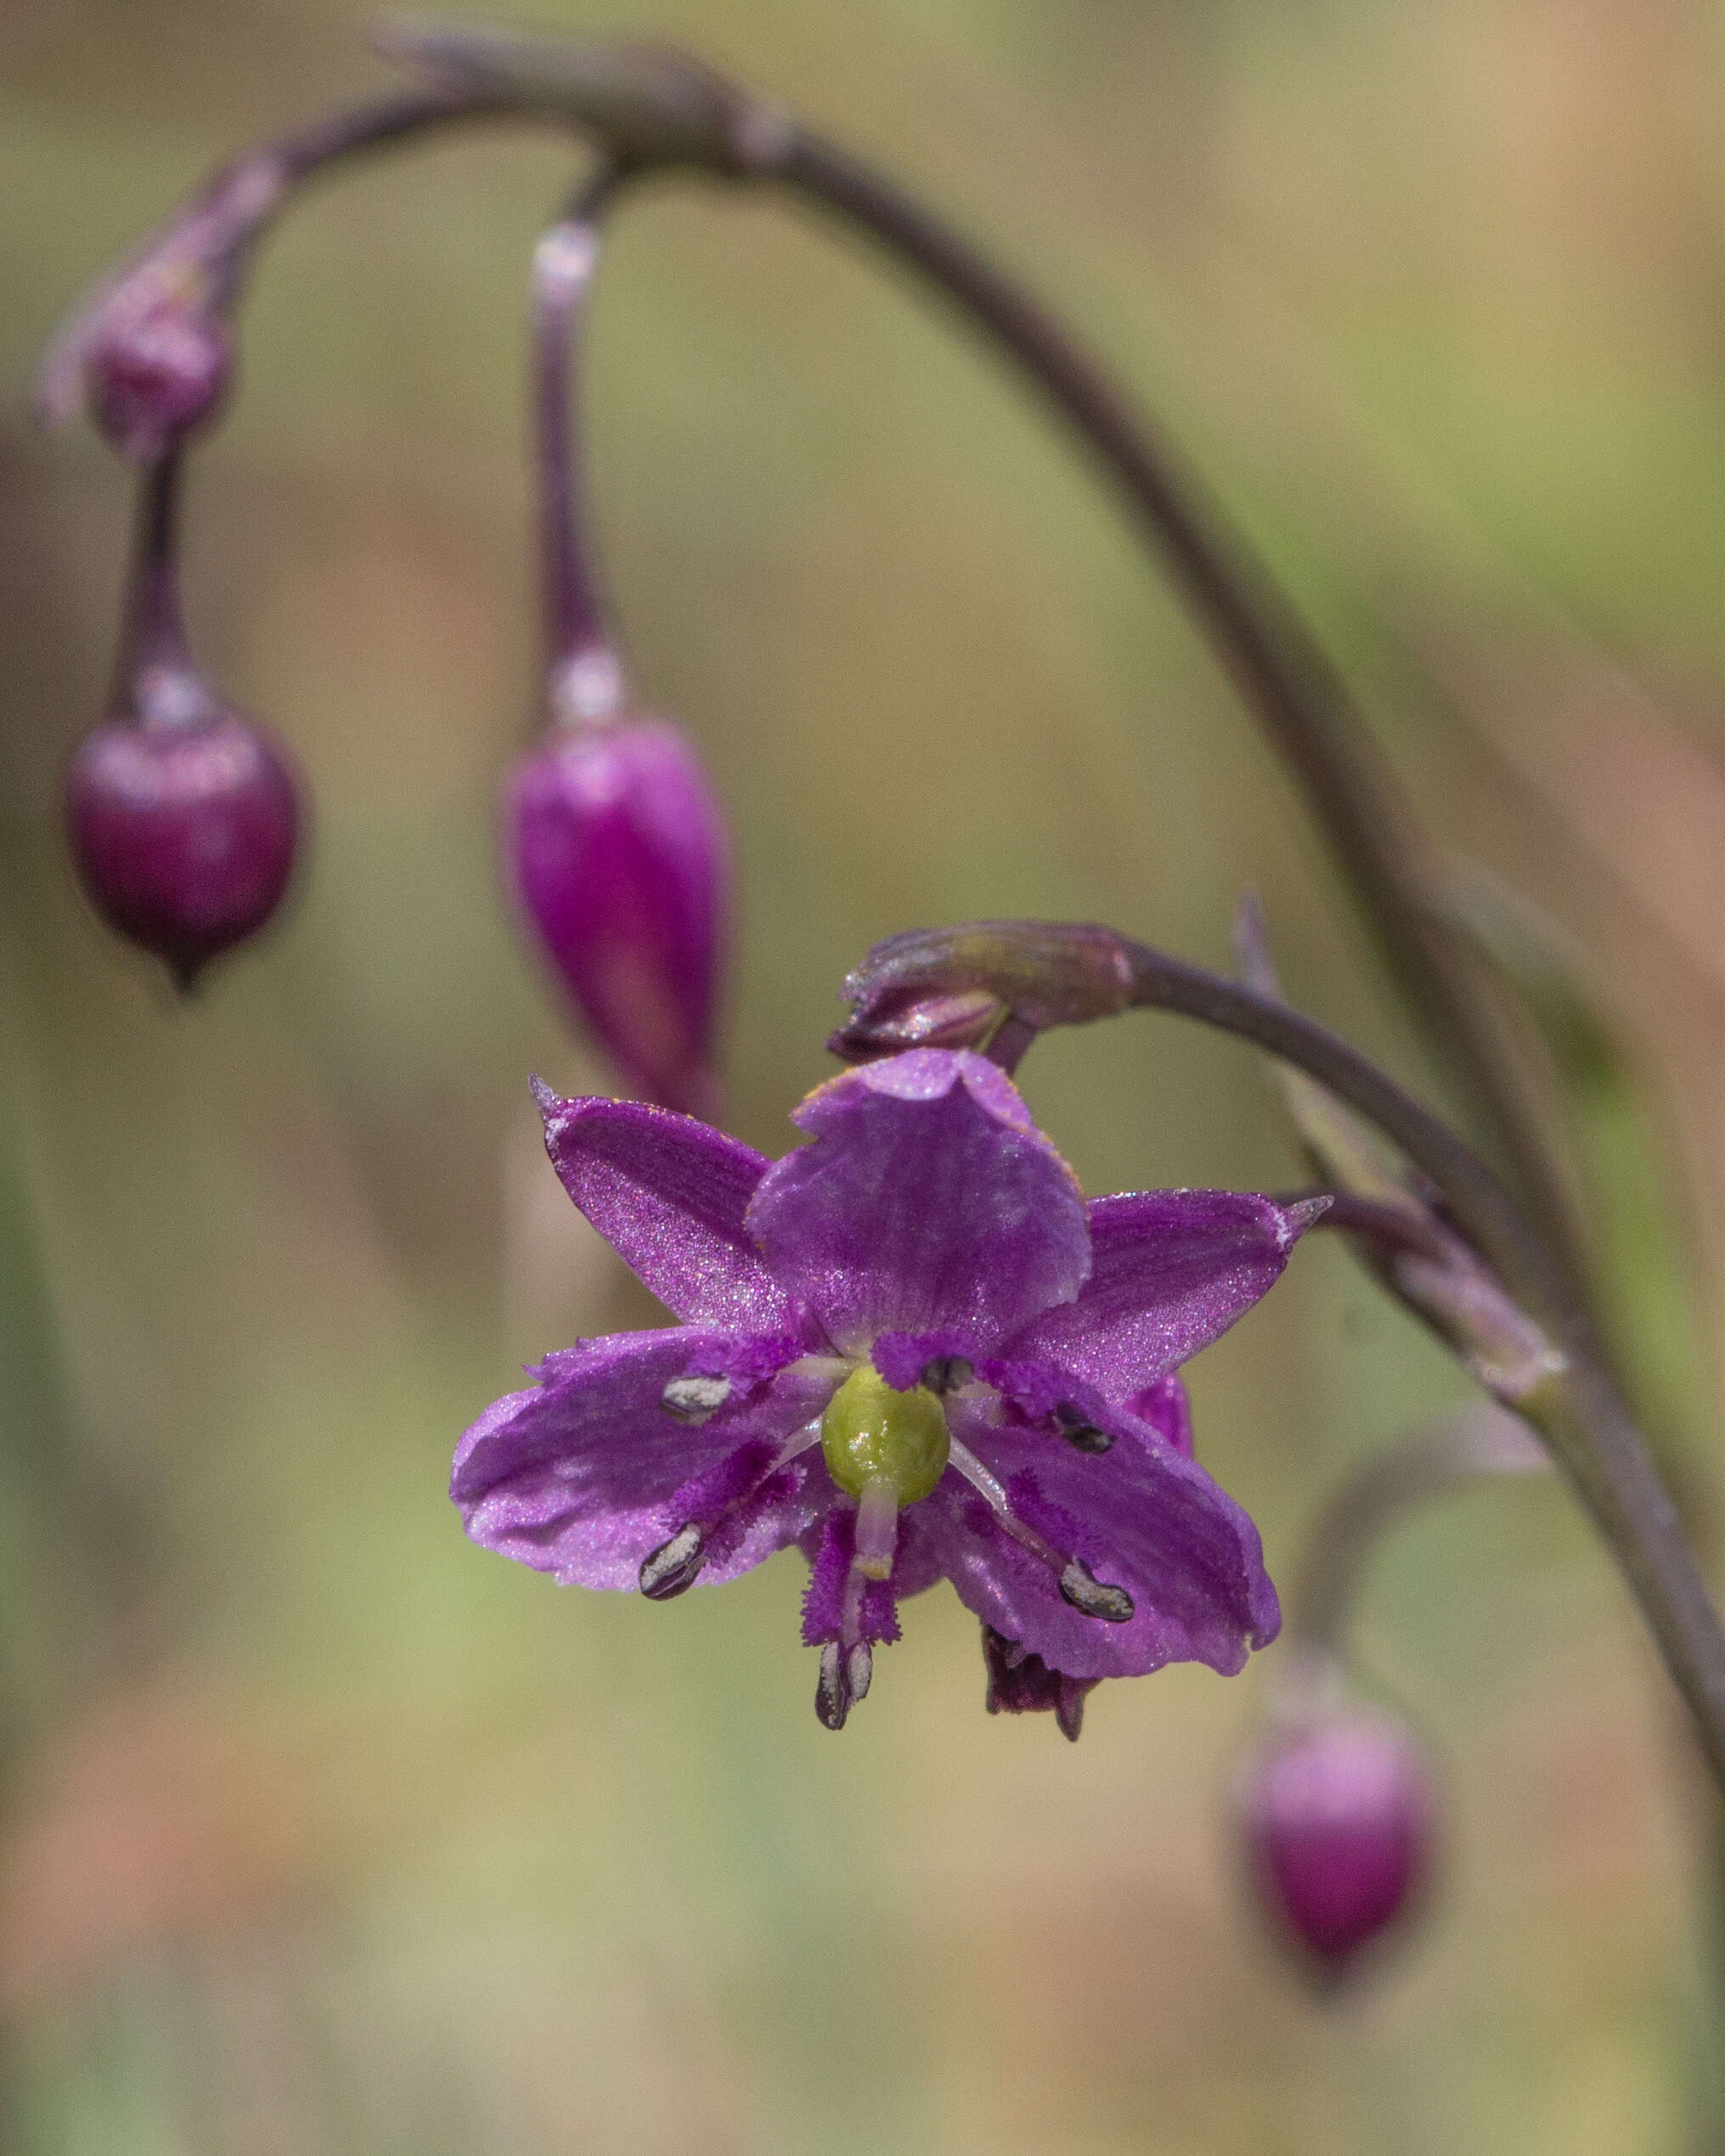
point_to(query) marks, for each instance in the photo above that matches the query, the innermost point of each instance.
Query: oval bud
(183, 833)
(152, 379)
(1338, 1817)
(616, 848)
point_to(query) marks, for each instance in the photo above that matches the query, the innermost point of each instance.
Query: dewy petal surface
(928, 1201)
(1143, 1516)
(577, 1477)
(668, 1194)
(1171, 1270)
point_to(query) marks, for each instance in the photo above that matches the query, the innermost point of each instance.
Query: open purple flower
(912, 1349)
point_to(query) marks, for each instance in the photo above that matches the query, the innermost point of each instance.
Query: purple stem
(153, 665)
(583, 673)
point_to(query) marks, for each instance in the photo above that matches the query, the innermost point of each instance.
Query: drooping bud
(184, 832)
(1338, 1817)
(617, 851)
(614, 843)
(153, 378)
(182, 816)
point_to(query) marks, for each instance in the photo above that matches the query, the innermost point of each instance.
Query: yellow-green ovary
(873, 1433)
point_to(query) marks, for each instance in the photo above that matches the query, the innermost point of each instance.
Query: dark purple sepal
(1022, 1683)
(184, 832)
(616, 849)
(1339, 1819)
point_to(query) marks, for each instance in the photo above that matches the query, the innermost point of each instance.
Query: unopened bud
(1337, 1813)
(184, 832)
(993, 985)
(616, 851)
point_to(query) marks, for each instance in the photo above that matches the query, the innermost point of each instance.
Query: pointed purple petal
(585, 1475)
(929, 1202)
(668, 1194)
(1142, 1517)
(1171, 1270)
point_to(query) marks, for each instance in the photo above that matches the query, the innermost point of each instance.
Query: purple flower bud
(1338, 1817)
(183, 831)
(153, 376)
(616, 850)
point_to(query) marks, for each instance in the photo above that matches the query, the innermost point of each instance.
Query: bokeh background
(321, 1831)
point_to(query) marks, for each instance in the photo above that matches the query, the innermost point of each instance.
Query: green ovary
(872, 1433)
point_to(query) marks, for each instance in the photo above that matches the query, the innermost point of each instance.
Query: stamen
(694, 1399)
(859, 1669)
(1079, 1586)
(1078, 1431)
(1093, 1597)
(674, 1566)
(946, 1373)
(831, 1689)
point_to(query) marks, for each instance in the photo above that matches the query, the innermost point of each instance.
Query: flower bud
(616, 850)
(1336, 1814)
(183, 831)
(153, 376)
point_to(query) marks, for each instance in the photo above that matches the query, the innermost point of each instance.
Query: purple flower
(616, 850)
(1337, 1816)
(913, 1349)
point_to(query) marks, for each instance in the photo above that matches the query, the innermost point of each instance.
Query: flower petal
(581, 1476)
(1171, 1270)
(668, 1194)
(929, 1201)
(1143, 1516)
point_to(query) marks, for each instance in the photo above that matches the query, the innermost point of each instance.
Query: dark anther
(1094, 1597)
(675, 1565)
(832, 1691)
(946, 1373)
(693, 1399)
(1078, 1431)
(1069, 1710)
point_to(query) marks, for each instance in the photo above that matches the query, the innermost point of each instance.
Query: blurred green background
(320, 1830)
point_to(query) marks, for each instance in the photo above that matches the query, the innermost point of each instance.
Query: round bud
(616, 849)
(157, 376)
(183, 833)
(1338, 1817)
